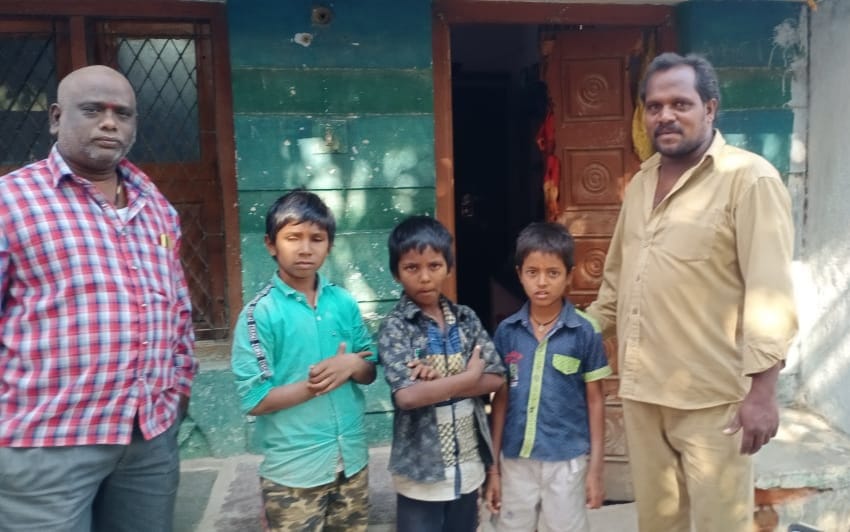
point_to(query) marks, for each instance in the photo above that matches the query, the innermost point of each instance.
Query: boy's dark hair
(706, 83)
(419, 233)
(545, 237)
(297, 207)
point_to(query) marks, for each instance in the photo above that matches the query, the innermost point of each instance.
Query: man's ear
(711, 110)
(54, 113)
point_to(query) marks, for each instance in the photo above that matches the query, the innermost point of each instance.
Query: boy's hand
(331, 373)
(419, 369)
(594, 490)
(475, 366)
(493, 492)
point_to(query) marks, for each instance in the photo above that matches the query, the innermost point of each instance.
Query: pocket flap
(566, 364)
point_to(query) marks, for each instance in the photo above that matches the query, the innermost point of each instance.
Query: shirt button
(144, 305)
(645, 244)
(318, 318)
(634, 311)
(145, 342)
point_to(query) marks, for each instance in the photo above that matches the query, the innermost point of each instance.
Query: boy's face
(299, 249)
(544, 278)
(421, 274)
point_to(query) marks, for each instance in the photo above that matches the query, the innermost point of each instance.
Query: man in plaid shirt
(96, 340)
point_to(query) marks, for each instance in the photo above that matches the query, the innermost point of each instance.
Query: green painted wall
(752, 47)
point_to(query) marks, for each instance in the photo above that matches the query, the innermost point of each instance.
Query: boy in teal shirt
(299, 349)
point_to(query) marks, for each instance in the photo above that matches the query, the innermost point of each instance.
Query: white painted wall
(824, 363)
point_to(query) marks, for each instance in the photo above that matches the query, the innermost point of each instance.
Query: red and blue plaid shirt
(95, 315)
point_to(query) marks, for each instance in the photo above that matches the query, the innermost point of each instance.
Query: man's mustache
(661, 130)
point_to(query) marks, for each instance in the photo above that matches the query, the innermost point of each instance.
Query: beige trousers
(686, 472)
(543, 496)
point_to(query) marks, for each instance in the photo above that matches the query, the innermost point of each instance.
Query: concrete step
(222, 495)
(803, 475)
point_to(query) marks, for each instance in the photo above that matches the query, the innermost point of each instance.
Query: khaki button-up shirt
(699, 287)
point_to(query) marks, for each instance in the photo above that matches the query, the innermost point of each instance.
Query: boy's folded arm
(364, 371)
(283, 397)
(426, 393)
(486, 384)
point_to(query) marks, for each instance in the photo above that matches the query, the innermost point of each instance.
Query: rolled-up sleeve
(765, 240)
(184, 345)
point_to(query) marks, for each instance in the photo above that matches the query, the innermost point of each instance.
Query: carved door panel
(591, 86)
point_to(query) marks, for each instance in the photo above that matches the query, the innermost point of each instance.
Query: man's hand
(594, 490)
(331, 373)
(182, 408)
(420, 370)
(493, 491)
(758, 414)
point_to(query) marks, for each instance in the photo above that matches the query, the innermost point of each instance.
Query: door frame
(213, 13)
(446, 13)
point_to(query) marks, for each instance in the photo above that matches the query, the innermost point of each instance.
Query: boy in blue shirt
(438, 361)
(299, 349)
(548, 422)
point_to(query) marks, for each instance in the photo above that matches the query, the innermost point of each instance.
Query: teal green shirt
(276, 340)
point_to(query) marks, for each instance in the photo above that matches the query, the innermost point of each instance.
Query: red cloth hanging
(552, 175)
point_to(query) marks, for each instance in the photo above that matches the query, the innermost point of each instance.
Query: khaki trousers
(686, 472)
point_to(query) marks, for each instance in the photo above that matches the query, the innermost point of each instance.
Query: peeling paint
(304, 39)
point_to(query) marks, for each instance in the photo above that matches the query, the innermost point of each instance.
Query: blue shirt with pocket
(547, 416)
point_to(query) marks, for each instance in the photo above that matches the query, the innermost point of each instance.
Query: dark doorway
(498, 102)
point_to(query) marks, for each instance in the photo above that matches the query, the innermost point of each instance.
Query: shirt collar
(568, 316)
(130, 174)
(409, 309)
(289, 291)
(713, 151)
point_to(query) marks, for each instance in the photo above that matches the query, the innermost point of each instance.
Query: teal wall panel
(360, 34)
(766, 132)
(355, 209)
(277, 152)
(752, 45)
(754, 88)
(330, 91)
(734, 33)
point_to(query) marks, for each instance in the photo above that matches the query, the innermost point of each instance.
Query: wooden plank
(226, 161)
(443, 136)
(476, 11)
(77, 41)
(160, 9)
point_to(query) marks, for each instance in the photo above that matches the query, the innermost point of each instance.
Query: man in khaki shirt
(697, 284)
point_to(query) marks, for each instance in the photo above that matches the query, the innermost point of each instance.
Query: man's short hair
(297, 207)
(419, 233)
(706, 78)
(545, 237)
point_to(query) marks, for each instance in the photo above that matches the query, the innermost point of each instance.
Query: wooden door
(170, 66)
(590, 74)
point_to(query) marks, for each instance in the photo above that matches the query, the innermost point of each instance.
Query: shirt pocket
(566, 364)
(690, 234)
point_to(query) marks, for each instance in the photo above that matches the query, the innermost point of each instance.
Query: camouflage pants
(340, 506)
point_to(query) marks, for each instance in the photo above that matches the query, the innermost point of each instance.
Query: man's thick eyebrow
(104, 105)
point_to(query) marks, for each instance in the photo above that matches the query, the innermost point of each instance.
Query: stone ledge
(807, 453)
